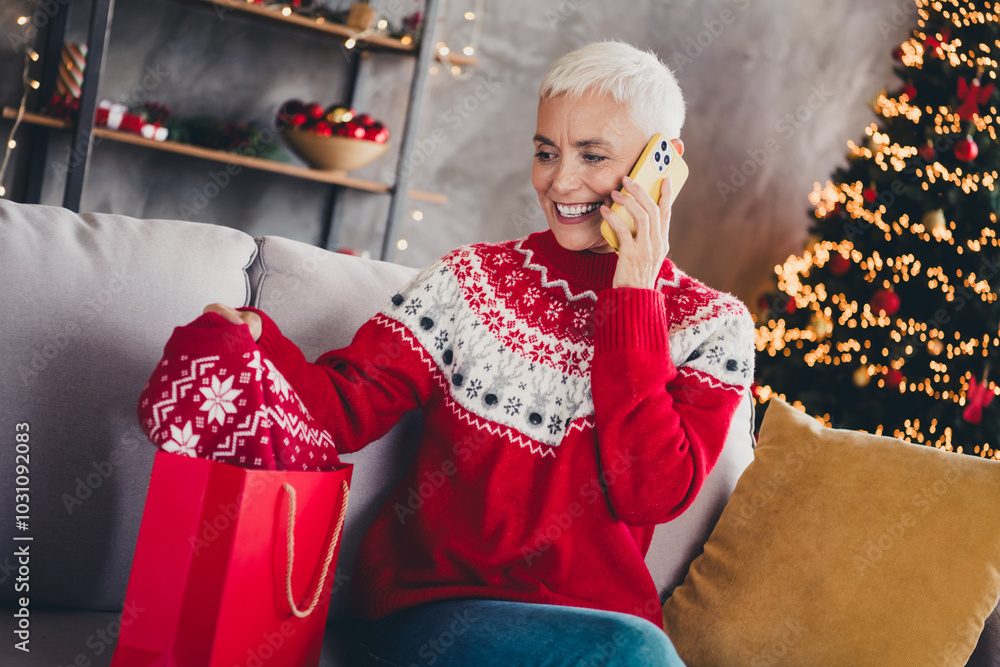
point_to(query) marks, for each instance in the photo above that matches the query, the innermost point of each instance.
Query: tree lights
(889, 321)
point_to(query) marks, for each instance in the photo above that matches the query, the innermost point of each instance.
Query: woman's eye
(544, 156)
(593, 159)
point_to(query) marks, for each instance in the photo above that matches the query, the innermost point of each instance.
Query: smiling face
(584, 146)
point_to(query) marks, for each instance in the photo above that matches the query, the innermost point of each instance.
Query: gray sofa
(87, 303)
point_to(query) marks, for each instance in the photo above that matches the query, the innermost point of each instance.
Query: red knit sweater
(563, 421)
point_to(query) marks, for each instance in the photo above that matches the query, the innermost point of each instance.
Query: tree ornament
(893, 377)
(927, 151)
(870, 194)
(821, 325)
(862, 377)
(933, 46)
(897, 53)
(839, 264)
(885, 301)
(978, 396)
(910, 92)
(339, 113)
(966, 150)
(971, 95)
(934, 222)
(935, 346)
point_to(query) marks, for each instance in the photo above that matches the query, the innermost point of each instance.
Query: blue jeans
(481, 633)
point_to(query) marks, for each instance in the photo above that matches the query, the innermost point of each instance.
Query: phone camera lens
(663, 145)
(657, 157)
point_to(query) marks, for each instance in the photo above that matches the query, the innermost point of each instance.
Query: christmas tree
(888, 322)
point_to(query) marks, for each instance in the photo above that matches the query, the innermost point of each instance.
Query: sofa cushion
(88, 302)
(319, 299)
(843, 548)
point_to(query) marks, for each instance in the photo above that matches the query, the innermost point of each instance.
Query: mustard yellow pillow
(841, 548)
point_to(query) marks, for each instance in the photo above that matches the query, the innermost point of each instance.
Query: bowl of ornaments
(333, 138)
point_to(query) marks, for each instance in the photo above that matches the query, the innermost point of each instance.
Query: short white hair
(637, 79)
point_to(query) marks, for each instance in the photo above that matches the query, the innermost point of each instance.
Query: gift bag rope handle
(290, 490)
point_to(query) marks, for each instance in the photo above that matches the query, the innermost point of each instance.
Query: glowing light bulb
(349, 44)
(402, 244)
(418, 215)
(470, 16)
(468, 50)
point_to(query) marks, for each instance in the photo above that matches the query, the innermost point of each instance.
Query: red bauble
(910, 92)
(315, 111)
(885, 301)
(927, 151)
(322, 128)
(839, 265)
(870, 195)
(290, 108)
(892, 377)
(367, 120)
(897, 53)
(764, 303)
(790, 307)
(351, 129)
(966, 150)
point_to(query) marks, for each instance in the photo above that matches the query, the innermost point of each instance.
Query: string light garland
(30, 84)
(454, 66)
(897, 298)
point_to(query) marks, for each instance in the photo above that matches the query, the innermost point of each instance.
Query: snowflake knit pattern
(214, 395)
(563, 420)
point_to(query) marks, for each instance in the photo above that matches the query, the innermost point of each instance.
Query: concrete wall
(775, 88)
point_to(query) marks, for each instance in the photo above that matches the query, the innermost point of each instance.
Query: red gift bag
(233, 566)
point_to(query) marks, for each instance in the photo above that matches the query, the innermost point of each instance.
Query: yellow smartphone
(658, 160)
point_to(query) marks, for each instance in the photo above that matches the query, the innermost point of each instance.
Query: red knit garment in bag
(215, 395)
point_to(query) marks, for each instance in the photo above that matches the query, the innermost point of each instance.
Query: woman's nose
(566, 177)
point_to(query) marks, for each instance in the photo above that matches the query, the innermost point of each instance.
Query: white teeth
(576, 210)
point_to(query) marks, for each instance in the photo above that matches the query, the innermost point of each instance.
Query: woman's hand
(247, 317)
(640, 258)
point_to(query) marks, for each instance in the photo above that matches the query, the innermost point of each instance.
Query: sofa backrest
(319, 300)
(87, 303)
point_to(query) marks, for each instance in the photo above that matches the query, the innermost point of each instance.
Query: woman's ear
(679, 145)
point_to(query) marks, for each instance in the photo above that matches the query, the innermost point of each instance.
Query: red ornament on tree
(927, 151)
(885, 301)
(966, 150)
(910, 92)
(839, 265)
(870, 195)
(972, 94)
(978, 397)
(892, 377)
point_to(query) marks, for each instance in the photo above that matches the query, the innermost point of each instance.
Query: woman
(573, 399)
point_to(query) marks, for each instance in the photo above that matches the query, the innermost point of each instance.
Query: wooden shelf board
(340, 30)
(459, 59)
(332, 177)
(306, 22)
(10, 113)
